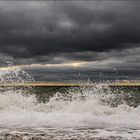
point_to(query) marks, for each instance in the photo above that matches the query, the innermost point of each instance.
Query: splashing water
(80, 113)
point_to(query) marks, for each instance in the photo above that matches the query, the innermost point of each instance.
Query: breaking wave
(94, 106)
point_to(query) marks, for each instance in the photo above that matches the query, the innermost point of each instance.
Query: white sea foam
(75, 110)
(80, 107)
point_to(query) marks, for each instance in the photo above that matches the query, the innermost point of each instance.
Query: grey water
(92, 113)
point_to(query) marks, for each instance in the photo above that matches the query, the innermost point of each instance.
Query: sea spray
(93, 111)
(76, 108)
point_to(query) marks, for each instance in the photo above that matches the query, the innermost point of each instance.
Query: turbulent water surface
(78, 113)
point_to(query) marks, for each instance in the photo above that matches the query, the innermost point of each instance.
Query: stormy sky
(70, 35)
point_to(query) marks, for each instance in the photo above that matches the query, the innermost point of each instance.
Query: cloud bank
(96, 34)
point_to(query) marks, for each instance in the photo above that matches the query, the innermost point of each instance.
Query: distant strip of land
(120, 84)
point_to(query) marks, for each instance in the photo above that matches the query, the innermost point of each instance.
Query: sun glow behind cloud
(63, 65)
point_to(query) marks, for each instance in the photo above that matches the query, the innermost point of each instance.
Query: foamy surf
(81, 113)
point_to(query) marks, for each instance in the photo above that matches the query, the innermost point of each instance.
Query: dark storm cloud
(44, 28)
(59, 32)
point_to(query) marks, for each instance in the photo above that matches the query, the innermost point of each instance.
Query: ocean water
(92, 113)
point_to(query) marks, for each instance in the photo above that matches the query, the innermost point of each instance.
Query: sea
(93, 112)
